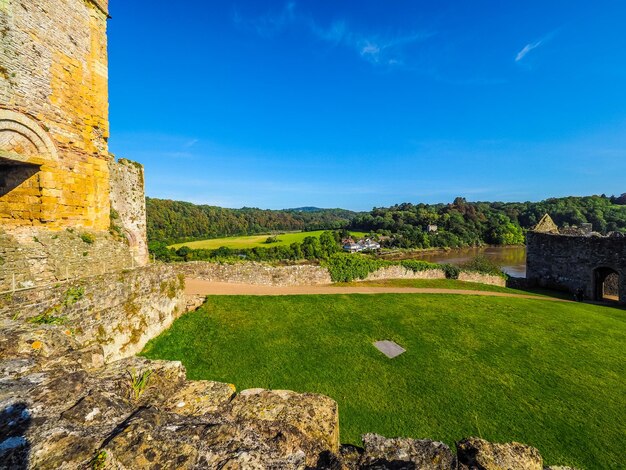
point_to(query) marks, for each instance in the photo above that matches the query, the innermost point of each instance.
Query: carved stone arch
(131, 238)
(22, 140)
(607, 282)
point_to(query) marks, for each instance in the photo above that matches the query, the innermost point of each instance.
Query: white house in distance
(367, 244)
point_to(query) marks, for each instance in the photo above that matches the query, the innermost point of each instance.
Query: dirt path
(201, 287)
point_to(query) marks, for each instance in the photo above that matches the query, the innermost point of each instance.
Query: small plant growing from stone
(88, 238)
(73, 295)
(115, 229)
(99, 461)
(48, 317)
(138, 382)
(53, 316)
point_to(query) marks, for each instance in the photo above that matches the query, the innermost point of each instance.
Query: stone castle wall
(58, 181)
(307, 275)
(119, 312)
(255, 273)
(54, 114)
(400, 272)
(571, 262)
(128, 206)
(35, 257)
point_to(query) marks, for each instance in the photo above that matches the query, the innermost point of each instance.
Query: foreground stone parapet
(382, 453)
(136, 413)
(474, 453)
(314, 416)
(405, 453)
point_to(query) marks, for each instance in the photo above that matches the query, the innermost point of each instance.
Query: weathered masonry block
(580, 262)
(56, 171)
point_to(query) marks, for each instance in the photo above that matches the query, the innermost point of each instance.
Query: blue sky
(357, 104)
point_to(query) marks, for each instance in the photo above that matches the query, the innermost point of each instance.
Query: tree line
(177, 222)
(459, 224)
(464, 223)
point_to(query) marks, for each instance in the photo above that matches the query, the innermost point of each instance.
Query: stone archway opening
(24, 148)
(607, 282)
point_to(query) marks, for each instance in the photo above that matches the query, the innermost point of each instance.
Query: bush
(482, 264)
(346, 268)
(452, 272)
(418, 266)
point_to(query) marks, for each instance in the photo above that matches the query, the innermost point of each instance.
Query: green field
(452, 284)
(549, 374)
(253, 241)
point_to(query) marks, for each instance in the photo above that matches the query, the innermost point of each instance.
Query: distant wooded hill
(176, 221)
(460, 223)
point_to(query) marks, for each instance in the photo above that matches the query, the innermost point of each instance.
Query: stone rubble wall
(37, 256)
(120, 312)
(483, 279)
(400, 272)
(256, 273)
(306, 275)
(128, 206)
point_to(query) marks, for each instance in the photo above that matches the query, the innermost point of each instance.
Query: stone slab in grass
(389, 348)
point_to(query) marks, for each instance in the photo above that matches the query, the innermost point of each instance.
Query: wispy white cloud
(377, 49)
(190, 143)
(527, 48)
(534, 45)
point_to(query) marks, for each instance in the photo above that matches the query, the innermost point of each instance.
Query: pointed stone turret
(546, 225)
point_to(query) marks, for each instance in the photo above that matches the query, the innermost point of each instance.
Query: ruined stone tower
(577, 260)
(67, 208)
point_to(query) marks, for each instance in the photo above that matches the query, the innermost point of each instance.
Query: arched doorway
(607, 283)
(24, 148)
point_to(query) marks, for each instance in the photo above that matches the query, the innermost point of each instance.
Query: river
(512, 259)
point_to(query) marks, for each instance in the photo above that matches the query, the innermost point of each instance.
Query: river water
(512, 259)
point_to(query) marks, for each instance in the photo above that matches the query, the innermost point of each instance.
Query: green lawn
(253, 241)
(453, 284)
(548, 374)
(433, 284)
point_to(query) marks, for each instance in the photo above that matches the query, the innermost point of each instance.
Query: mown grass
(253, 241)
(548, 374)
(452, 284)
